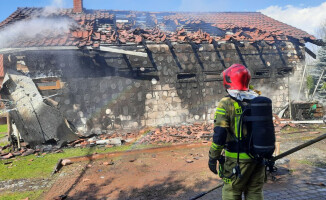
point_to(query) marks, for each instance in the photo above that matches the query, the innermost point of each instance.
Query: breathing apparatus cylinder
(262, 127)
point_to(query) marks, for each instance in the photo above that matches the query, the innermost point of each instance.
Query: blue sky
(299, 13)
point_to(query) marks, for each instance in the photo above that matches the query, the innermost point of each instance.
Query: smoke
(41, 24)
(283, 89)
(55, 7)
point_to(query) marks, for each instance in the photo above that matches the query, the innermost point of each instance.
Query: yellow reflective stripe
(235, 155)
(221, 113)
(236, 122)
(236, 126)
(238, 109)
(221, 110)
(220, 169)
(227, 180)
(240, 129)
(216, 146)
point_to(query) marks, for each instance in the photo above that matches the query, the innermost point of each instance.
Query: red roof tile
(95, 25)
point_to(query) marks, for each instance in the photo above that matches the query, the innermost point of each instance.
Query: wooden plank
(122, 51)
(57, 86)
(14, 50)
(101, 48)
(312, 54)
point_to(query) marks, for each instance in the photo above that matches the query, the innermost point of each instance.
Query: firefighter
(241, 174)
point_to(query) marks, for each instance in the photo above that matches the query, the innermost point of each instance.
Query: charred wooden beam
(129, 65)
(194, 49)
(310, 53)
(218, 53)
(175, 57)
(318, 42)
(149, 53)
(279, 51)
(260, 51)
(237, 44)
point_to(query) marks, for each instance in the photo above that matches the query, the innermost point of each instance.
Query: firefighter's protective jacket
(226, 131)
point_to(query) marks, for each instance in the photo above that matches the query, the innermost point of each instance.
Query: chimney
(78, 6)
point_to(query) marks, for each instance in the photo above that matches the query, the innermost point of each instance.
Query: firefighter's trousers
(250, 184)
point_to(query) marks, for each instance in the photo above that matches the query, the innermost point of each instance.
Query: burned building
(110, 69)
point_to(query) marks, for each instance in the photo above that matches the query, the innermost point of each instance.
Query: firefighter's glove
(212, 165)
(221, 160)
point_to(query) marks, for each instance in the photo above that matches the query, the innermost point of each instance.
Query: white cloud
(308, 19)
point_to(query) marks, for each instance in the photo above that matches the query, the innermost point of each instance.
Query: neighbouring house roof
(102, 27)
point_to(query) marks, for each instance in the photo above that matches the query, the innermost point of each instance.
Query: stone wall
(172, 86)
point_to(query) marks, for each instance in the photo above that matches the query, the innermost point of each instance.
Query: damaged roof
(102, 27)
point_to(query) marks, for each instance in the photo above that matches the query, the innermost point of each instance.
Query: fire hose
(272, 160)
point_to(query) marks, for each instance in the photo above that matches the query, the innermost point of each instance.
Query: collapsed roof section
(94, 28)
(37, 122)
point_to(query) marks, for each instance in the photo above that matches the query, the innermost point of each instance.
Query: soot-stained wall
(100, 91)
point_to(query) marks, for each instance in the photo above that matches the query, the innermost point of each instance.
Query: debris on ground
(37, 122)
(108, 163)
(174, 134)
(318, 184)
(65, 162)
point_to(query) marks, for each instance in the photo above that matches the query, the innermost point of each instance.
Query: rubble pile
(190, 133)
(164, 134)
(178, 134)
(24, 151)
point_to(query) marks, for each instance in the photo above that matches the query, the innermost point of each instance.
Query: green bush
(323, 87)
(310, 83)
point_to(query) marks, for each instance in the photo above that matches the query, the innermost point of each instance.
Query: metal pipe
(204, 193)
(295, 149)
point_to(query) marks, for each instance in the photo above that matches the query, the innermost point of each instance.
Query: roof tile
(96, 25)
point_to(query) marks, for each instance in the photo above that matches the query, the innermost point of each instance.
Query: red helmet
(236, 77)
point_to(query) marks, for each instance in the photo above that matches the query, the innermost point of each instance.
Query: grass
(320, 164)
(2, 135)
(41, 166)
(290, 129)
(3, 128)
(32, 195)
(2, 144)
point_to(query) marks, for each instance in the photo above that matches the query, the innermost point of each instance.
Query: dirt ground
(167, 173)
(174, 172)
